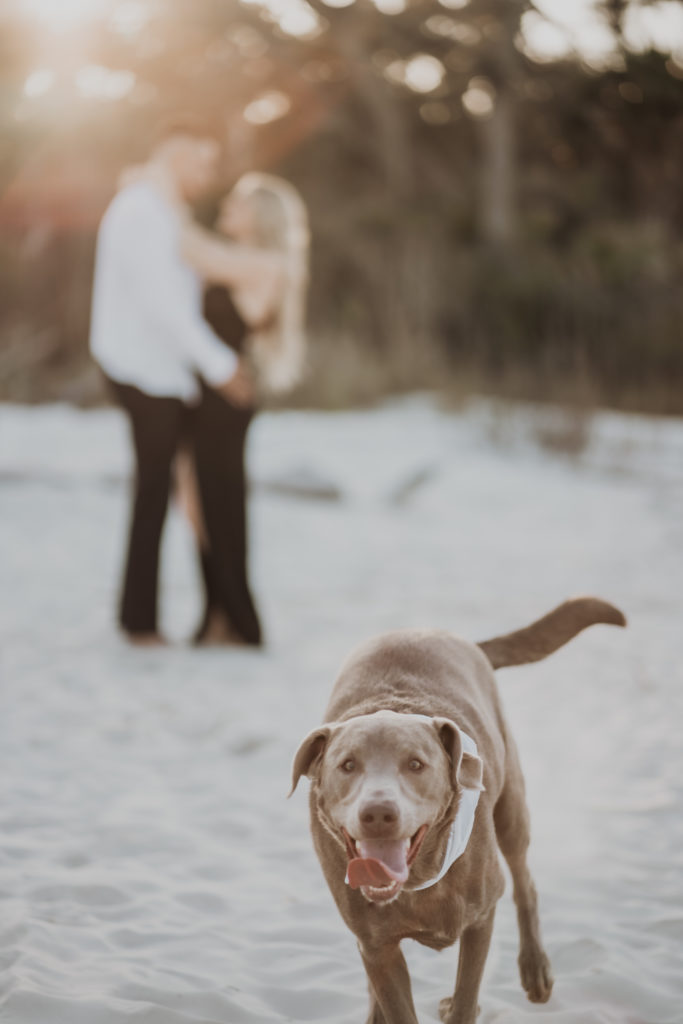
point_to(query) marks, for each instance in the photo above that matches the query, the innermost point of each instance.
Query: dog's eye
(415, 764)
(348, 766)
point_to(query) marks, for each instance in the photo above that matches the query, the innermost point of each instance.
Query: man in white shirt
(151, 341)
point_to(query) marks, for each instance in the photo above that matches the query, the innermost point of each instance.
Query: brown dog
(416, 783)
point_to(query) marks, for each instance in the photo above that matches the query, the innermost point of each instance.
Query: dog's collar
(462, 826)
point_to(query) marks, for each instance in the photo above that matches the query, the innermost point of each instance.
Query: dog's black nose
(377, 813)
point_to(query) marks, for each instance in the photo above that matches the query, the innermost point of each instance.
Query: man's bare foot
(218, 632)
(146, 639)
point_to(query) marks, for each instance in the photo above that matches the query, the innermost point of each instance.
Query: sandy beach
(152, 869)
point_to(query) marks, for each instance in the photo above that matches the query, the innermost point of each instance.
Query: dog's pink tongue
(381, 862)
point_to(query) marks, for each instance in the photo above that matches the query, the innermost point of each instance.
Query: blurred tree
(425, 136)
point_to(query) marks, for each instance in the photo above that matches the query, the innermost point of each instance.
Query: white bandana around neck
(462, 826)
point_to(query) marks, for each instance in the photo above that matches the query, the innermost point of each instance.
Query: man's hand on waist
(239, 389)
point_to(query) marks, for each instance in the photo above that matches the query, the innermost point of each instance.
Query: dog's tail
(545, 635)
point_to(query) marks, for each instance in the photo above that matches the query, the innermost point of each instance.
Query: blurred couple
(190, 328)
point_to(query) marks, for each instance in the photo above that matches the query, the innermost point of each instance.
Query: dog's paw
(446, 1010)
(536, 975)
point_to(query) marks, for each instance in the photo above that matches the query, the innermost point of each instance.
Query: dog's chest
(437, 922)
(435, 940)
(430, 920)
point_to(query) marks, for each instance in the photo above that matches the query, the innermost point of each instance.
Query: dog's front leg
(462, 1007)
(391, 1000)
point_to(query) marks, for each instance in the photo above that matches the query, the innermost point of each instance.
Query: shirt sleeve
(148, 252)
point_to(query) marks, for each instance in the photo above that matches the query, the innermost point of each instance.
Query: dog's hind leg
(462, 1008)
(391, 999)
(511, 817)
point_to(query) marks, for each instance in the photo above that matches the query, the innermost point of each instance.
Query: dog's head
(383, 780)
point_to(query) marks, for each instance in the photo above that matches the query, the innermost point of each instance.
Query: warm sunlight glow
(266, 108)
(479, 99)
(580, 27)
(424, 73)
(421, 73)
(544, 40)
(130, 17)
(390, 6)
(293, 17)
(39, 82)
(449, 28)
(62, 15)
(659, 25)
(95, 82)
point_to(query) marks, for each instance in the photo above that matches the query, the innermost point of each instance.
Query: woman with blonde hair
(255, 296)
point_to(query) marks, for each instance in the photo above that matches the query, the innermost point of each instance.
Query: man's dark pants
(158, 427)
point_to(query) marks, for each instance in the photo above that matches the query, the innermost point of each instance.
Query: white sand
(151, 869)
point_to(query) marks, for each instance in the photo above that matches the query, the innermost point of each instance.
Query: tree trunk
(393, 150)
(498, 214)
(498, 193)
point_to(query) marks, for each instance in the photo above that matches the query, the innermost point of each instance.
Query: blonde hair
(280, 224)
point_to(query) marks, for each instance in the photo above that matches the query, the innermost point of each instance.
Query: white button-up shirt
(147, 327)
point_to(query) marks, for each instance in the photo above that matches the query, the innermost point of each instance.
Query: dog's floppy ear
(468, 769)
(309, 754)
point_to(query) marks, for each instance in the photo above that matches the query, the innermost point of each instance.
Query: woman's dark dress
(218, 438)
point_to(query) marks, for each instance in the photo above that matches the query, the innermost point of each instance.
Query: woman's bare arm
(224, 262)
(254, 275)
